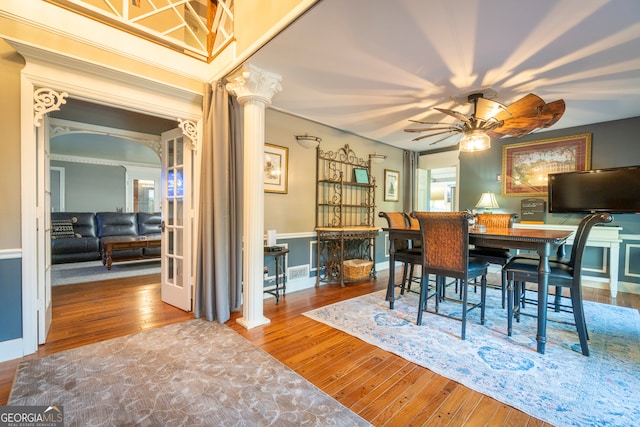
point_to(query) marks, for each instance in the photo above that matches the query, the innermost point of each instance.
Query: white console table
(601, 237)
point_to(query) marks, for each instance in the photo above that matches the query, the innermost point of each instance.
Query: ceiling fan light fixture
(476, 140)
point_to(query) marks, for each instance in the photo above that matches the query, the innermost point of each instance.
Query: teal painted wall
(11, 300)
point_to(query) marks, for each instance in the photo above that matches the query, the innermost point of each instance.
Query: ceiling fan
(493, 120)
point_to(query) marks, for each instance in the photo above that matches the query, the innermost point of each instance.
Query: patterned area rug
(90, 271)
(192, 373)
(561, 387)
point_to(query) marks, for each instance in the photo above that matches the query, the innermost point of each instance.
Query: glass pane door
(176, 170)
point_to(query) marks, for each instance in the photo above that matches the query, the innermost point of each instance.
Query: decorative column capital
(252, 82)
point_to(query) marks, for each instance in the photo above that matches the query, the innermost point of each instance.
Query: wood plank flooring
(381, 387)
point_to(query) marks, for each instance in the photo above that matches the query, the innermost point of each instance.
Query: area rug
(194, 373)
(90, 271)
(561, 387)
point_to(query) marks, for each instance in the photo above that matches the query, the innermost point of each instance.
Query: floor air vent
(298, 272)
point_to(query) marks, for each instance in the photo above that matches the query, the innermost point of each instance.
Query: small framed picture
(361, 175)
(276, 162)
(391, 185)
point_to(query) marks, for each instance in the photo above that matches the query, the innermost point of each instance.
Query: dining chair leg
(411, 271)
(483, 298)
(464, 287)
(511, 301)
(405, 268)
(581, 324)
(504, 287)
(422, 305)
(440, 285)
(519, 290)
(557, 299)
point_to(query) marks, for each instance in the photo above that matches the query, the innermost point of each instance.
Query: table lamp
(488, 202)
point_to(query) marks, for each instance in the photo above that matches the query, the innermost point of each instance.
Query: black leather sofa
(75, 236)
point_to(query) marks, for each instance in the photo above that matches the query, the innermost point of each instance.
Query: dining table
(544, 242)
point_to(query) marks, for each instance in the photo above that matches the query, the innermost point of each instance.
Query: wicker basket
(357, 269)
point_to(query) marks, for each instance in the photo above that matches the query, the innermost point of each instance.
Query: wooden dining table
(544, 242)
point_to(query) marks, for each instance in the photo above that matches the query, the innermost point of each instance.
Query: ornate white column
(254, 89)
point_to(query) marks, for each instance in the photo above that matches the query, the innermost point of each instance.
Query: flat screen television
(615, 190)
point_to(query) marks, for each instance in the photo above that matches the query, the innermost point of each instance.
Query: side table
(279, 255)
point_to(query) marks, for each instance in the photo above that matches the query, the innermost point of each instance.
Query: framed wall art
(391, 185)
(276, 169)
(525, 166)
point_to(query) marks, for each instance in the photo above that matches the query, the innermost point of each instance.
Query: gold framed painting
(525, 166)
(276, 169)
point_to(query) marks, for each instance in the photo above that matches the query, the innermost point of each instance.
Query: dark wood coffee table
(118, 243)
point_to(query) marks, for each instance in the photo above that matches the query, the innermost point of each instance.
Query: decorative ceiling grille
(199, 28)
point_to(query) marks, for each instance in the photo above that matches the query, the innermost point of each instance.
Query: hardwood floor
(381, 387)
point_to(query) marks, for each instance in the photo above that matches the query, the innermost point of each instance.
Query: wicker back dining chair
(562, 274)
(414, 225)
(445, 253)
(498, 256)
(404, 253)
(415, 247)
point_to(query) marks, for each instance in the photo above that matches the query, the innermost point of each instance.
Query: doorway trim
(88, 82)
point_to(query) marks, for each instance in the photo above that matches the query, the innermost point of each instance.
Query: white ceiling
(368, 66)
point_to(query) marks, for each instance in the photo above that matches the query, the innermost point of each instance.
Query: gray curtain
(409, 166)
(218, 289)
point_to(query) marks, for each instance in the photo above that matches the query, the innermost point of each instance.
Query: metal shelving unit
(345, 211)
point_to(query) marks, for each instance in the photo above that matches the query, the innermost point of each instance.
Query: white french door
(43, 214)
(177, 213)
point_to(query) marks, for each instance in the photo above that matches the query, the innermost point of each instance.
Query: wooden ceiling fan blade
(520, 126)
(453, 113)
(491, 125)
(429, 123)
(545, 116)
(528, 114)
(486, 109)
(441, 139)
(515, 127)
(554, 111)
(526, 106)
(434, 134)
(496, 133)
(448, 128)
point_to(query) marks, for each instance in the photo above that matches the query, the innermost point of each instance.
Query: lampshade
(487, 201)
(437, 192)
(308, 141)
(475, 140)
(377, 158)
